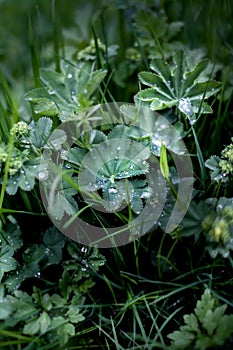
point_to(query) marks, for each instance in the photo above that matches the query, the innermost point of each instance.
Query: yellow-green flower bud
(19, 129)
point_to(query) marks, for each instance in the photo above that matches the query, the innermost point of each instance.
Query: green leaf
(62, 202)
(55, 83)
(162, 68)
(75, 155)
(192, 222)
(191, 76)
(206, 329)
(170, 85)
(56, 140)
(66, 93)
(7, 262)
(181, 340)
(206, 303)
(156, 82)
(44, 322)
(31, 327)
(163, 162)
(41, 132)
(74, 315)
(25, 177)
(38, 325)
(57, 300)
(12, 236)
(177, 76)
(213, 164)
(65, 332)
(191, 323)
(212, 319)
(5, 310)
(54, 242)
(23, 305)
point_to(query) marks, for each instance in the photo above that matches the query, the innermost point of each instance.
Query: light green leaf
(45, 321)
(74, 314)
(163, 162)
(32, 327)
(57, 300)
(65, 332)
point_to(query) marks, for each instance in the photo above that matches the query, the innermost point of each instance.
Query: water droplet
(112, 190)
(68, 166)
(41, 175)
(225, 254)
(69, 76)
(22, 171)
(145, 195)
(84, 249)
(14, 182)
(185, 107)
(118, 148)
(34, 166)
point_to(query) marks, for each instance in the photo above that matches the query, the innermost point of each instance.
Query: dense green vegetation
(140, 88)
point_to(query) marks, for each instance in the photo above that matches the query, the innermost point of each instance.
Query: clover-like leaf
(176, 85)
(216, 173)
(25, 177)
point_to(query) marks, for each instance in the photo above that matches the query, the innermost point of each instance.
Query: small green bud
(3, 155)
(19, 129)
(15, 165)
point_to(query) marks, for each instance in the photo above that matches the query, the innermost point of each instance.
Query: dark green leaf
(7, 262)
